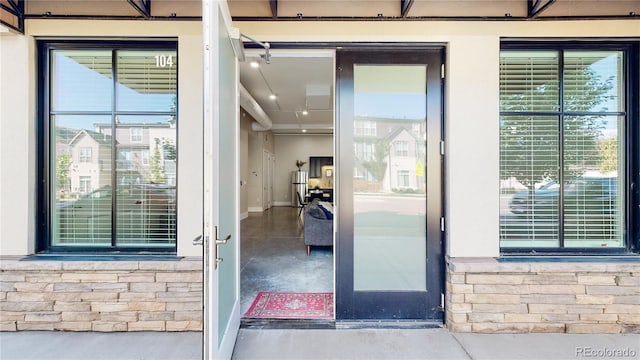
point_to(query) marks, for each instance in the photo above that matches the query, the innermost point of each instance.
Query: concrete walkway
(321, 344)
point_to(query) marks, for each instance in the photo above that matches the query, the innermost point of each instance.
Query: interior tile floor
(273, 256)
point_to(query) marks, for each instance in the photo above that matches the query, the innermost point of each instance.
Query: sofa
(318, 224)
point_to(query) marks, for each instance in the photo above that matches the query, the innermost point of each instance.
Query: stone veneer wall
(487, 296)
(101, 295)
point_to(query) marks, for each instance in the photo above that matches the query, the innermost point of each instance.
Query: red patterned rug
(291, 305)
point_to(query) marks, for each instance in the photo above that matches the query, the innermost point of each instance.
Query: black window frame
(44, 47)
(631, 170)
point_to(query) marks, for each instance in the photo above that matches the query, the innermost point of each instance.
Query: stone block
(8, 276)
(485, 317)
(192, 264)
(121, 316)
(500, 289)
(112, 266)
(456, 278)
(594, 328)
(108, 326)
(628, 280)
(547, 328)
(146, 326)
(458, 308)
(45, 326)
(12, 315)
(179, 277)
(45, 316)
(26, 306)
(184, 326)
(461, 328)
(8, 325)
(137, 277)
(460, 288)
(90, 277)
(80, 316)
(74, 326)
(63, 296)
(594, 299)
(158, 265)
(31, 265)
(627, 299)
(33, 287)
(197, 315)
(597, 279)
(178, 287)
(109, 306)
(613, 290)
(148, 287)
(493, 328)
(71, 306)
(548, 308)
(454, 298)
(99, 296)
(110, 287)
(556, 289)
(522, 318)
(601, 318)
(147, 306)
(155, 315)
(622, 309)
(25, 296)
(628, 318)
(491, 299)
(7, 286)
(191, 306)
(550, 279)
(567, 267)
(501, 308)
(548, 299)
(71, 287)
(47, 277)
(560, 317)
(586, 309)
(179, 296)
(630, 329)
(494, 279)
(137, 296)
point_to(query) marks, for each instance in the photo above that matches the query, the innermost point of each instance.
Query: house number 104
(164, 60)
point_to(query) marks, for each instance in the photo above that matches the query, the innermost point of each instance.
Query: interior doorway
(288, 122)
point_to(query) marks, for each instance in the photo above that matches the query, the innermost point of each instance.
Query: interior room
(286, 157)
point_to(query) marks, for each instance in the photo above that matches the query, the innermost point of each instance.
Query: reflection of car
(586, 195)
(143, 211)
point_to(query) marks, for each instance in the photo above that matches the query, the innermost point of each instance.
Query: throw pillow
(326, 211)
(316, 212)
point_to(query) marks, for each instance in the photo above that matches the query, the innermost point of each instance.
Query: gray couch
(318, 229)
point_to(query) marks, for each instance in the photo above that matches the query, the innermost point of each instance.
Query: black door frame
(352, 305)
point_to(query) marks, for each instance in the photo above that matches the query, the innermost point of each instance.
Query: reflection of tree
(608, 154)
(155, 167)
(62, 170)
(169, 149)
(529, 144)
(377, 167)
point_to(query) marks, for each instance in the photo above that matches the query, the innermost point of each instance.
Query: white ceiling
(301, 80)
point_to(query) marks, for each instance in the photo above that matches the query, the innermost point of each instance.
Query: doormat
(291, 305)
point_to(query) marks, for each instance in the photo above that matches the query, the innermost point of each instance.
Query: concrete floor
(273, 257)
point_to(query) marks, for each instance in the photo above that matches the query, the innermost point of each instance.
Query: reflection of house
(90, 159)
(390, 152)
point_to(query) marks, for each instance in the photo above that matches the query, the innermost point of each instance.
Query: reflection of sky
(78, 88)
(390, 105)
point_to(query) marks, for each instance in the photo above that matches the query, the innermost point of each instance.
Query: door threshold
(389, 324)
(308, 324)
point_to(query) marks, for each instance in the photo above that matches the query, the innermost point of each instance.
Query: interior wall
(18, 125)
(290, 148)
(245, 128)
(258, 141)
(472, 102)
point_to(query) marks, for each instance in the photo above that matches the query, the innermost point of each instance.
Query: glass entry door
(389, 253)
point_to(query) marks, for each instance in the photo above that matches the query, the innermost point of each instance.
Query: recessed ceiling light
(272, 96)
(305, 112)
(304, 130)
(254, 64)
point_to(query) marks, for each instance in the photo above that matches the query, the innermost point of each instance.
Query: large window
(113, 105)
(563, 139)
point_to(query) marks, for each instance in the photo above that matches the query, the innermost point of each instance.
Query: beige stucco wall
(472, 102)
(18, 121)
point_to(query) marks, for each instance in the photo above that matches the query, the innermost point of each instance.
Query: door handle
(199, 240)
(216, 250)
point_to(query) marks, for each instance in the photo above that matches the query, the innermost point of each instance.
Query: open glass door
(221, 200)
(389, 259)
